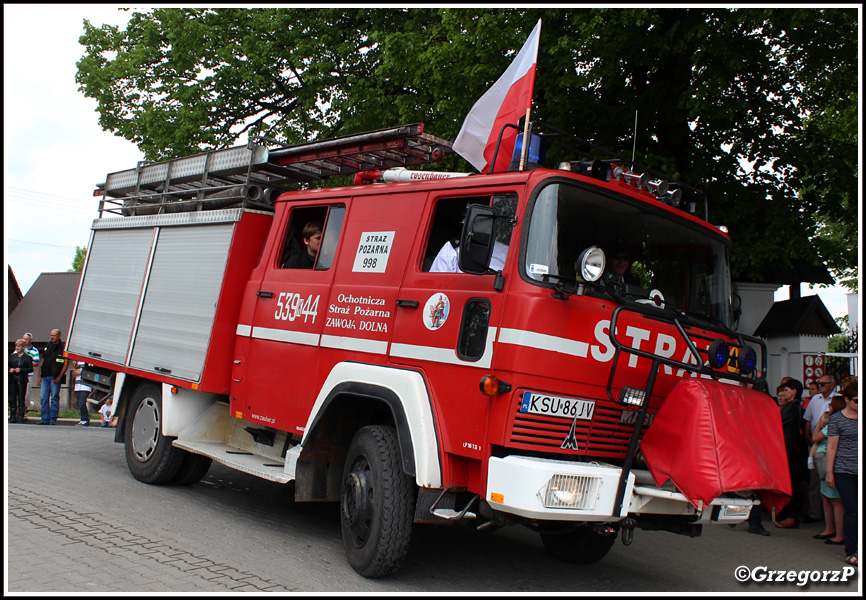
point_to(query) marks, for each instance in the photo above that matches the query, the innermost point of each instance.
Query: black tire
(581, 546)
(192, 469)
(376, 503)
(149, 455)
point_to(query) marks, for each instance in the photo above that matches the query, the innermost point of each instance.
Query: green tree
(757, 107)
(78, 260)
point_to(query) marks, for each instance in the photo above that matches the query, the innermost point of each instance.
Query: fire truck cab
(547, 347)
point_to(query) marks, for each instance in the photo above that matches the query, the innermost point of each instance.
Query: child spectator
(106, 412)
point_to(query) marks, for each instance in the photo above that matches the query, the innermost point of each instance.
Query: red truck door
(288, 318)
(446, 324)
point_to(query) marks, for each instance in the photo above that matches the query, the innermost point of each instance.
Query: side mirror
(477, 239)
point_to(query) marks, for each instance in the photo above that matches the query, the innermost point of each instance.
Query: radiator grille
(604, 436)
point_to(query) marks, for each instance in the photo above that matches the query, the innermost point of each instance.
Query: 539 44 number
(291, 306)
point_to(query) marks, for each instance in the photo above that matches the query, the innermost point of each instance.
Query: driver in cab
(618, 270)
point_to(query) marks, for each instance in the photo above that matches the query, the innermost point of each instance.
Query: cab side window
(445, 228)
(311, 237)
(443, 236)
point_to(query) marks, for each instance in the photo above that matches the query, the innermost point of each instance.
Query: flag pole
(525, 140)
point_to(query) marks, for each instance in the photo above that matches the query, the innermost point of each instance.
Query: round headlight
(747, 360)
(590, 265)
(718, 354)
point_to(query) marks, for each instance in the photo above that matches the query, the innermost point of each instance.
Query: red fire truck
(464, 347)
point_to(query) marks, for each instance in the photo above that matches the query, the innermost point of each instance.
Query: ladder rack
(254, 175)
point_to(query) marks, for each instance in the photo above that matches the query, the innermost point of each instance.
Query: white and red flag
(506, 102)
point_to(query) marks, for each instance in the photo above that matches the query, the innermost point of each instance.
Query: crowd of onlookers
(52, 366)
(819, 425)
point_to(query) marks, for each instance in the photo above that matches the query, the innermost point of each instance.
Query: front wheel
(149, 455)
(376, 503)
(581, 546)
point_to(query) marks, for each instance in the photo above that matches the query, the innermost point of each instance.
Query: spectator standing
(842, 463)
(789, 403)
(53, 370)
(82, 391)
(818, 405)
(830, 496)
(812, 390)
(20, 366)
(30, 349)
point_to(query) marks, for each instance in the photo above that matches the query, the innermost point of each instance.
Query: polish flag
(506, 102)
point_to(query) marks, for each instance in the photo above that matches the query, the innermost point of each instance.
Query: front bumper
(545, 489)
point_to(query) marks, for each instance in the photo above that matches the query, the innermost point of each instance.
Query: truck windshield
(645, 249)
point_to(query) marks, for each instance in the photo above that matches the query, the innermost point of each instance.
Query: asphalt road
(78, 522)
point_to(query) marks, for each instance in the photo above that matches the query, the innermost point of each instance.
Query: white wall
(756, 301)
(785, 357)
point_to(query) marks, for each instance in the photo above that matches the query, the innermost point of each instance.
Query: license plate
(556, 406)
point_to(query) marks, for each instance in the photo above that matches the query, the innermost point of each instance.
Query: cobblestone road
(78, 522)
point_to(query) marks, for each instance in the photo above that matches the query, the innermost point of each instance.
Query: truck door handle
(263, 294)
(407, 303)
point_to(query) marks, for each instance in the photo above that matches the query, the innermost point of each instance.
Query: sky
(55, 152)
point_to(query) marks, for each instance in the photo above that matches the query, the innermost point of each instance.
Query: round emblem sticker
(436, 311)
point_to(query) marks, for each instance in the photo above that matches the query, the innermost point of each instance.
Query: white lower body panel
(546, 489)
(519, 484)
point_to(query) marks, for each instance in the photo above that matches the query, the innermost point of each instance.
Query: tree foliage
(78, 259)
(757, 106)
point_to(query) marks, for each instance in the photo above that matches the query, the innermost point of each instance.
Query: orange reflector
(195, 386)
(174, 390)
(239, 414)
(495, 497)
(489, 385)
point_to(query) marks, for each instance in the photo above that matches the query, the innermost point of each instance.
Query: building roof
(798, 316)
(47, 305)
(14, 291)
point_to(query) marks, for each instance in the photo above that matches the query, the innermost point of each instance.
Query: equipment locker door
(446, 324)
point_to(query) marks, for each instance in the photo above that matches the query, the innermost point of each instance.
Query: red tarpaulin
(710, 437)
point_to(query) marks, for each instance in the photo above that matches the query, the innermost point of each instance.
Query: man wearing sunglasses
(818, 405)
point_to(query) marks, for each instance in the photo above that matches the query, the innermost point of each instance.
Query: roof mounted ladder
(254, 175)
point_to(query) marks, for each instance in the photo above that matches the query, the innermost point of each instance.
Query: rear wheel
(581, 546)
(149, 455)
(192, 469)
(376, 503)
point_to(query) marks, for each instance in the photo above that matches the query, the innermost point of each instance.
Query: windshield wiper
(564, 286)
(701, 317)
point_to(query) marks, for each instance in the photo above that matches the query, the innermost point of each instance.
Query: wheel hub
(145, 429)
(353, 498)
(358, 501)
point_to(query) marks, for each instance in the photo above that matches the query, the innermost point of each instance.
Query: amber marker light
(490, 386)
